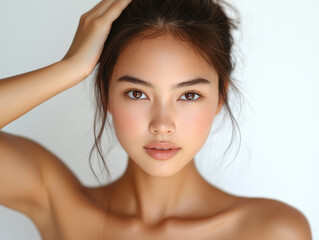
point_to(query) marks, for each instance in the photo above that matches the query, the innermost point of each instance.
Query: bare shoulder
(272, 219)
(50, 165)
(31, 175)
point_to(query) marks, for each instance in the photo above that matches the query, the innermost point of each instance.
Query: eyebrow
(127, 78)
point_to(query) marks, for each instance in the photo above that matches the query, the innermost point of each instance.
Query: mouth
(161, 153)
(161, 145)
(161, 150)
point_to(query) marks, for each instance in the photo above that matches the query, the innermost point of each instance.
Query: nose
(162, 122)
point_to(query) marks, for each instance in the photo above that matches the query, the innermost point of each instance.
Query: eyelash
(200, 96)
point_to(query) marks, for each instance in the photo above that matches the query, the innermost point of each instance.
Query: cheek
(128, 122)
(197, 122)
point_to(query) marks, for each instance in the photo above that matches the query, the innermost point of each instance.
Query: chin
(161, 168)
(159, 173)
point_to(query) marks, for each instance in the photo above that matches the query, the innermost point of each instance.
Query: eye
(191, 96)
(134, 94)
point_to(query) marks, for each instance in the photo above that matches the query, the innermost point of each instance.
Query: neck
(154, 199)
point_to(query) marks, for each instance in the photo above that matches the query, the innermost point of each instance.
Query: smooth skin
(153, 199)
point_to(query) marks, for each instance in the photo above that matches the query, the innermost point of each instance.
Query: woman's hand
(19, 94)
(92, 32)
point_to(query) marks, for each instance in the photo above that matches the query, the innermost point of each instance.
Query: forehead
(162, 59)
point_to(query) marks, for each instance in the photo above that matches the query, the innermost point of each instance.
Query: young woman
(164, 74)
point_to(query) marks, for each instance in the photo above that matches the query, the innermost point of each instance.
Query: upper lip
(161, 144)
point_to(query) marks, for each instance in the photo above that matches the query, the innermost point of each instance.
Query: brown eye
(191, 96)
(135, 94)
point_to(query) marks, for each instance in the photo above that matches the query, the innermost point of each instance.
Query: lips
(161, 150)
(161, 154)
(161, 145)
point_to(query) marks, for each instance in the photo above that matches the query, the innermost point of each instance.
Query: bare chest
(78, 216)
(89, 222)
(111, 228)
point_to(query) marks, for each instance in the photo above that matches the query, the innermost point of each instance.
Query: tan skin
(154, 199)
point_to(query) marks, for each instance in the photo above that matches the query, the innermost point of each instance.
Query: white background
(277, 50)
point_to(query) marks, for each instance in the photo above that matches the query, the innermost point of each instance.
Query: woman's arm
(19, 94)
(28, 172)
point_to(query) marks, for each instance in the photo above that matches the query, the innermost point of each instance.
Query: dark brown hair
(203, 24)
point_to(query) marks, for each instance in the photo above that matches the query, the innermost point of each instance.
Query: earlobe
(109, 109)
(222, 100)
(219, 106)
(108, 106)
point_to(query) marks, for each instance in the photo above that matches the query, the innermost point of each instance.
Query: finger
(100, 8)
(115, 10)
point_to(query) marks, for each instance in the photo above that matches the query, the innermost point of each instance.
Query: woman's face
(158, 109)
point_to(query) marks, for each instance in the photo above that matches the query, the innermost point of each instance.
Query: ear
(222, 100)
(108, 108)
(219, 106)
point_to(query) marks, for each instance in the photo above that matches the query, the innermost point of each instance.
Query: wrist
(77, 70)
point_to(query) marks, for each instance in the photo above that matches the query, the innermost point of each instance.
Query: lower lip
(161, 154)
